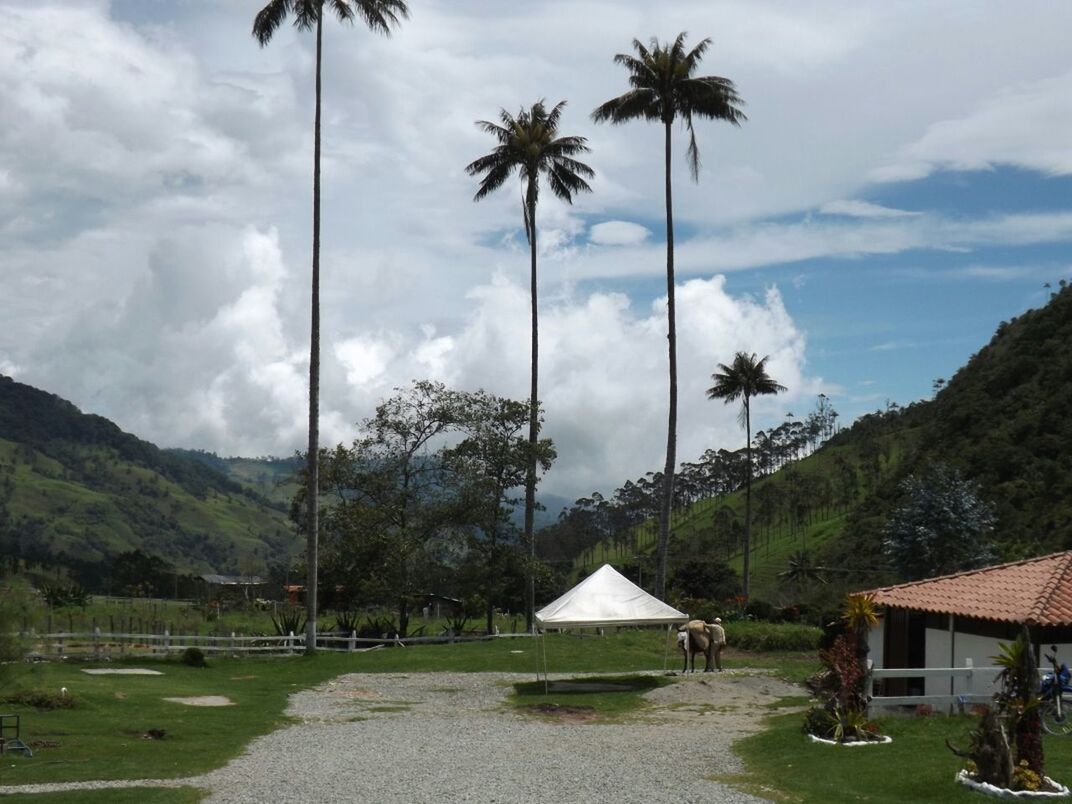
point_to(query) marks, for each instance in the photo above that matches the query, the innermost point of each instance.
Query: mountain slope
(76, 490)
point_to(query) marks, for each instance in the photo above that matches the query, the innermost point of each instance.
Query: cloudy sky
(903, 184)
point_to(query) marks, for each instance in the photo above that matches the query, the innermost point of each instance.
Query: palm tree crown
(528, 143)
(665, 87)
(379, 15)
(743, 379)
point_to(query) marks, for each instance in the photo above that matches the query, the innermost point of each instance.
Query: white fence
(98, 644)
(978, 686)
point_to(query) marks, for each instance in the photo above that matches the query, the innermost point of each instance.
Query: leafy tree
(745, 378)
(393, 510)
(379, 16)
(490, 462)
(666, 88)
(710, 580)
(529, 144)
(941, 527)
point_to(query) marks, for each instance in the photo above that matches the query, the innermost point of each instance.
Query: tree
(744, 379)
(529, 144)
(941, 527)
(665, 88)
(486, 467)
(379, 16)
(393, 507)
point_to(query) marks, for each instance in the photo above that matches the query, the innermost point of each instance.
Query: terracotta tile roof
(1036, 591)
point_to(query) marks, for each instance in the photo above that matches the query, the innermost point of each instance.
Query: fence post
(970, 685)
(290, 642)
(869, 686)
(167, 641)
(96, 642)
(352, 644)
(233, 654)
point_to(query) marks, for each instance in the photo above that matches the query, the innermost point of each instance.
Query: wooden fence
(979, 685)
(100, 645)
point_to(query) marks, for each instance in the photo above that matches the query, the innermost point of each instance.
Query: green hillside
(76, 491)
(1002, 421)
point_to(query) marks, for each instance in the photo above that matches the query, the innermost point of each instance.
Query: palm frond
(342, 10)
(381, 15)
(268, 20)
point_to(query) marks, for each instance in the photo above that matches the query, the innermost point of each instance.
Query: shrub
(194, 657)
(42, 699)
(761, 636)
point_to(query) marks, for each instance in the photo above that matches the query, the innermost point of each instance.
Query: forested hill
(76, 490)
(53, 425)
(1006, 420)
(1003, 421)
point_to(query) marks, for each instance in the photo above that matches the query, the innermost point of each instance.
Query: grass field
(783, 765)
(103, 737)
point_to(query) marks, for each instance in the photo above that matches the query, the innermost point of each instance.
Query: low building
(945, 621)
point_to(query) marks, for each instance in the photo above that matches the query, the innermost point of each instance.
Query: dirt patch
(121, 671)
(565, 714)
(203, 700)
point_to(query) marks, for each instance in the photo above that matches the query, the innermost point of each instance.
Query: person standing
(718, 641)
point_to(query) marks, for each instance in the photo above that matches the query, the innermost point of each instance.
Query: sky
(902, 185)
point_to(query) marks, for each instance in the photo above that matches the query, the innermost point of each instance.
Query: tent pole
(666, 647)
(543, 640)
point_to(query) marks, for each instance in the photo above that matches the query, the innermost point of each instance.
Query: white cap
(718, 619)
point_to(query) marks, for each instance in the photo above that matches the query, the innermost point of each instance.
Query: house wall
(968, 643)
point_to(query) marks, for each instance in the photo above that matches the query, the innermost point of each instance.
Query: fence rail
(978, 682)
(100, 644)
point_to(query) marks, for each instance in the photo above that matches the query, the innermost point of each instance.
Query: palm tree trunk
(747, 498)
(671, 425)
(530, 473)
(313, 471)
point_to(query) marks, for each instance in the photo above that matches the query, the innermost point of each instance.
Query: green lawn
(783, 765)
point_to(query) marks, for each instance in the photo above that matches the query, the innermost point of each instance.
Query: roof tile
(1036, 591)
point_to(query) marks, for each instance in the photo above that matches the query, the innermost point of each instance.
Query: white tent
(606, 597)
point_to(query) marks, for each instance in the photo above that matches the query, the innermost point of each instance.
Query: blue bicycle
(1056, 694)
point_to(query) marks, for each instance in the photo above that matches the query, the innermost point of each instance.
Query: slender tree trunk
(530, 473)
(747, 499)
(312, 491)
(671, 425)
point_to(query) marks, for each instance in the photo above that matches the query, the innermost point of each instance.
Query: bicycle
(1056, 694)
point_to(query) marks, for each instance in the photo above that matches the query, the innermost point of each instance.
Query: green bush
(763, 636)
(42, 699)
(194, 657)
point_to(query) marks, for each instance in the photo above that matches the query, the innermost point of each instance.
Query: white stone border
(964, 778)
(883, 740)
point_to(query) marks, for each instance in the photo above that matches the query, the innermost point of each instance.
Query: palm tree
(529, 143)
(743, 379)
(665, 88)
(379, 16)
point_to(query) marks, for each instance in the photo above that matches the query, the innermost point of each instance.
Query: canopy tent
(606, 598)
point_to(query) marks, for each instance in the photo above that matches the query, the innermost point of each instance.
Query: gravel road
(433, 738)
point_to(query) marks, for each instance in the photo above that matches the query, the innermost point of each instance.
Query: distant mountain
(76, 490)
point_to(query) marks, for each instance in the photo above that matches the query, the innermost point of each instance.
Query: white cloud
(1025, 125)
(863, 209)
(618, 233)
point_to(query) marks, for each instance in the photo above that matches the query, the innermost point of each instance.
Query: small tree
(942, 526)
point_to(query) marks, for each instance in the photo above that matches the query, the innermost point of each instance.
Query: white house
(943, 622)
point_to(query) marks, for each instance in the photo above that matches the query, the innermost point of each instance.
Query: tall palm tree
(529, 144)
(744, 378)
(379, 16)
(665, 88)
